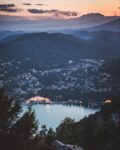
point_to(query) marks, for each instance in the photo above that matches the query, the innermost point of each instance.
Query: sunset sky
(59, 8)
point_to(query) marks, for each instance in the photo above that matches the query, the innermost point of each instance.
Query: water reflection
(52, 115)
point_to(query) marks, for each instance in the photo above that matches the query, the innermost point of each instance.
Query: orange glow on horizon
(110, 8)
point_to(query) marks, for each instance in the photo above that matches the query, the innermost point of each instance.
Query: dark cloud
(54, 11)
(119, 7)
(40, 4)
(66, 13)
(37, 11)
(28, 4)
(8, 8)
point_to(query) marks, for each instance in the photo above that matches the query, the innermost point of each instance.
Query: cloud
(28, 4)
(54, 12)
(8, 8)
(40, 4)
(65, 13)
(119, 7)
(37, 11)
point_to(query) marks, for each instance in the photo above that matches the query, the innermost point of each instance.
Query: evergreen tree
(16, 133)
(65, 131)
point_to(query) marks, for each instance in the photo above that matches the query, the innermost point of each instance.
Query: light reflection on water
(52, 115)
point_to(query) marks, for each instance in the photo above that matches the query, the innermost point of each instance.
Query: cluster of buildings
(82, 75)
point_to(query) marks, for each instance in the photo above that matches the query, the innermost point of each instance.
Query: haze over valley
(60, 75)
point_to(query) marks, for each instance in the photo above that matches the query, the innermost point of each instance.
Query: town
(61, 82)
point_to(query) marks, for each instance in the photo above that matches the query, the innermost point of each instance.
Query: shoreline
(87, 105)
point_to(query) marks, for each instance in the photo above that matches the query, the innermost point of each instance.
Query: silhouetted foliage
(17, 131)
(100, 131)
(64, 131)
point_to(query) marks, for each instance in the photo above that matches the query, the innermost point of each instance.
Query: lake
(52, 115)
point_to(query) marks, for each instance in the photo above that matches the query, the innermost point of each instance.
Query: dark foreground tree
(17, 131)
(65, 131)
(99, 131)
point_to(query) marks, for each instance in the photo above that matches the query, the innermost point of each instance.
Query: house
(61, 146)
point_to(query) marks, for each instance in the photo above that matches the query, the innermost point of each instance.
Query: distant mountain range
(110, 26)
(55, 48)
(6, 34)
(88, 35)
(113, 25)
(14, 23)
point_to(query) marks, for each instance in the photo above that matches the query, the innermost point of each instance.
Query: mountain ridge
(109, 26)
(40, 24)
(59, 47)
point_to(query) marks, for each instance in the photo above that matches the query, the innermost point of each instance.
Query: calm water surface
(52, 115)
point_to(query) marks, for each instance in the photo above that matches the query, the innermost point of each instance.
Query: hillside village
(55, 81)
